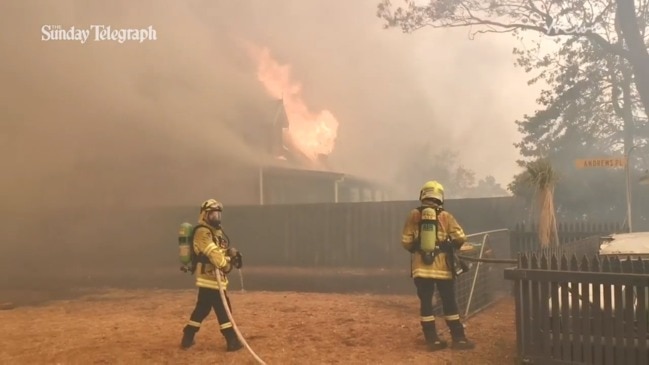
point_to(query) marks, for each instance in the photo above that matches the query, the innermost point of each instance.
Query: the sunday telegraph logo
(97, 33)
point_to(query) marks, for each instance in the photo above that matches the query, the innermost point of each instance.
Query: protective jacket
(448, 227)
(210, 242)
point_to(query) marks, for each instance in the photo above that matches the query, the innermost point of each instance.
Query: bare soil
(144, 327)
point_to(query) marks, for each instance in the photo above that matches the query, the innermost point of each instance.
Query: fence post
(519, 314)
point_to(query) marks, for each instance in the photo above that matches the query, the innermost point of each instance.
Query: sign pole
(629, 218)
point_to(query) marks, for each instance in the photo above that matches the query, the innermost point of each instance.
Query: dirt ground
(144, 327)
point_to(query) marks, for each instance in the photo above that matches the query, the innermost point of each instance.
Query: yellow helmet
(432, 190)
(211, 205)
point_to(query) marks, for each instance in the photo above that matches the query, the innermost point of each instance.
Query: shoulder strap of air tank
(227, 239)
(441, 221)
(203, 225)
(200, 257)
(419, 220)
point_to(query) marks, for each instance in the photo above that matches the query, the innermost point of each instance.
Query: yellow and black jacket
(448, 228)
(211, 243)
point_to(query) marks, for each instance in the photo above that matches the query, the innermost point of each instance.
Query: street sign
(602, 162)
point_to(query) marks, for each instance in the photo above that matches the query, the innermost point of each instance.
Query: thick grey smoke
(102, 122)
(133, 122)
(392, 91)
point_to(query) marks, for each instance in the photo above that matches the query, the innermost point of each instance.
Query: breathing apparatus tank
(184, 244)
(428, 234)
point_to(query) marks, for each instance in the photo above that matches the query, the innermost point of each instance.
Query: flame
(312, 133)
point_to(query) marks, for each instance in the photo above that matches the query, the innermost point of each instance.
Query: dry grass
(541, 175)
(144, 327)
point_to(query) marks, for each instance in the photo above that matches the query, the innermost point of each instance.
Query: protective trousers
(425, 292)
(209, 299)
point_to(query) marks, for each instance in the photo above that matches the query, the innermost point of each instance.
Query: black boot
(188, 337)
(460, 342)
(432, 339)
(233, 343)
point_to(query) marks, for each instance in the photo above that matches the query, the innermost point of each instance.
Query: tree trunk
(546, 228)
(627, 110)
(638, 55)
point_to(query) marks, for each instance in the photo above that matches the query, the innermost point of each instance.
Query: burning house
(292, 143)
(287, 175)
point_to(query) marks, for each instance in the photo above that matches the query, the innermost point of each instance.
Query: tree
(541, 177)
(590, 112)
(596, 102)
(591, 101)
(596, 194)
(424, 164)
(488, 187)
(591, 21)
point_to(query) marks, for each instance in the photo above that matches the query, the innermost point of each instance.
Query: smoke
(391, 91)
(136, 122)
(101, 123)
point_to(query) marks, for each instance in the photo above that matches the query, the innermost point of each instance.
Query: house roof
(292, 157)
(279, 113)
(294, 161)
(304, 172)
(343, 178)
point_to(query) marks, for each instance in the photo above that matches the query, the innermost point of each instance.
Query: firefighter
(211, 252)
(431, 235)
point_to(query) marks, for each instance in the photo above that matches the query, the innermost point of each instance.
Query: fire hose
(218, 274)
(487, 260)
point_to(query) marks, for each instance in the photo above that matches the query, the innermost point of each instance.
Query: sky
(79, 115)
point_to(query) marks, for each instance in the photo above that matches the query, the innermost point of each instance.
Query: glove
(445, 246)
(458, 243)
(415, 246)
(227, 268)
(235, 257)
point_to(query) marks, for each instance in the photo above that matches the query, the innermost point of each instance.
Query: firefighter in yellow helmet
(211, 252)
(432, 235)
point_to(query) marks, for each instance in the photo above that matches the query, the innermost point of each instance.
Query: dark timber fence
(575, 307)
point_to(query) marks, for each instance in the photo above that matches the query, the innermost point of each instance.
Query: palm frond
(541, 176)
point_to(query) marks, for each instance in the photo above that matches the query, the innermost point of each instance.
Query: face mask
(214, 218)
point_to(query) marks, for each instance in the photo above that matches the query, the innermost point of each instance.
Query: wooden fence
(124, 243)
(346, 234)
(524, 237)
(581, 309)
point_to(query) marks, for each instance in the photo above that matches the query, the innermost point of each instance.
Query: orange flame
(312, 133)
